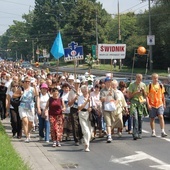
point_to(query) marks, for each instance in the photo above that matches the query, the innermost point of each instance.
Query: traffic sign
(73, 52)
(150, 39)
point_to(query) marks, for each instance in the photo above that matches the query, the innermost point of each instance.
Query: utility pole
(150, 33)
(96, 31)
(119, 33)
(97, 40)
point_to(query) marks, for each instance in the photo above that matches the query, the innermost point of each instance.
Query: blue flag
(57, 49)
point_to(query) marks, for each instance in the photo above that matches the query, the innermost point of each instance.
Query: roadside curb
(35, 153)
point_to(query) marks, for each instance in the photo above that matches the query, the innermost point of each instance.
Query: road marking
(144, 131)
(139, 156)
(167, 139)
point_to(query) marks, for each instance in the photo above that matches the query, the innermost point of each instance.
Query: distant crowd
(62, 107)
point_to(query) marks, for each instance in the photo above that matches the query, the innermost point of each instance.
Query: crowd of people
(62, 106)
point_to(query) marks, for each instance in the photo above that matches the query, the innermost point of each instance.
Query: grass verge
(9, 159)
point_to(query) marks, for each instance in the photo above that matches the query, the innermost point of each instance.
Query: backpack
(15, 102)
(161, 86)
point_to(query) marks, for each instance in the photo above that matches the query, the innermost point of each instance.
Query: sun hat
(63, 77)
(44, 86)
(71, 77)
(108, 74)
(76, 81)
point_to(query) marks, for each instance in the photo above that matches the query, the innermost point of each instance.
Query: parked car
(26, 64)
(167, 99)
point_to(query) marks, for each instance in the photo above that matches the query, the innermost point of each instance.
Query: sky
(14, 9)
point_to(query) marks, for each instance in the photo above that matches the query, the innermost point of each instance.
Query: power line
(10, 13)
(16, 3)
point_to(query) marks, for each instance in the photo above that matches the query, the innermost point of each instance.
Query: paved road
(123, 153)
(97, 72)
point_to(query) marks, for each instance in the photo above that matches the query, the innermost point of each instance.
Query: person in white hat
(73, 103)
(71, 80)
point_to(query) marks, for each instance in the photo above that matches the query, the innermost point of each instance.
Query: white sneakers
(87, 150)
(56, 144)
(163, 134)
(27, 140)
(153, 134)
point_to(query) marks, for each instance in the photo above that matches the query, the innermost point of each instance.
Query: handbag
(15, 102)
(109, 106)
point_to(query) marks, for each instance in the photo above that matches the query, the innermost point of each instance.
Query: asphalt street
(148, 153)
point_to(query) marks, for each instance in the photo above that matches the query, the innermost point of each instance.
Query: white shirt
(43, 100)
(81, 101)
(65, 99)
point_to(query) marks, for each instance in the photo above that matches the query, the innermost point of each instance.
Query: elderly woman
(16, 122)
(44, 124)
(67, 119)
(97, 105)
(120, 106)
(84, 109)
(54, 109)
(126, 115)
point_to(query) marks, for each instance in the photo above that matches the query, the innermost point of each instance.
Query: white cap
(3, 81)
(90, 78)
(71, 77)
(63, 77)
(108, 74)
(76, 81)
(32, 80)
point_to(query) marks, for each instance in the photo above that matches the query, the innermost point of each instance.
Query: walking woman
(55, 108)
(44, 123)
(27, 107)
(84, 109)
(16, 122)
(97, 106)
(120, 106)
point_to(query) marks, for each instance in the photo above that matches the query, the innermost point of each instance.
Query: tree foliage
(87, 22)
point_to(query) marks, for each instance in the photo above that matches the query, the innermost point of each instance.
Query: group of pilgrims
(62, 107)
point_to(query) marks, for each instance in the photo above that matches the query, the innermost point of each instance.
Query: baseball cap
(44, 86)
(107, 79)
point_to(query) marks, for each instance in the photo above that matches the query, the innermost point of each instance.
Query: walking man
(137, 94)
(156, 104)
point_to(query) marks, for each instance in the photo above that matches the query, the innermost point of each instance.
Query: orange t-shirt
(155, 95)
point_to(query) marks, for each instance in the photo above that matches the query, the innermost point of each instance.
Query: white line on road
(144, 131)
(139, 157)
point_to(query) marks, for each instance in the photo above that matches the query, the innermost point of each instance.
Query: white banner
(111, 51)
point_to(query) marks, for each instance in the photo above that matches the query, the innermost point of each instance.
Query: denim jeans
(44, 124)
(103, 124)
(137, 123)
(127, 120)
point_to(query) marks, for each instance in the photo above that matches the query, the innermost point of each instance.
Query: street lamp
(56, 17)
